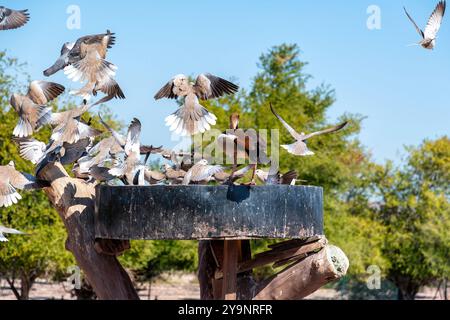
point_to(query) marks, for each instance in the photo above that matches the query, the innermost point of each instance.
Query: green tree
(415, 210)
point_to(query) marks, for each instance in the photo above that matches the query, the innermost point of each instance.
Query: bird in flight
(201, 172)
(299, 148)
(11, 180)
(4, 230)
(429, 35)
(84, 61)
(192, 118)
(31, 107)
(270, 177)
(13, 19)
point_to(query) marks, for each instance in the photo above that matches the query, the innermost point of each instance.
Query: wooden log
(75, 202)
(280, 255)
(306, 276)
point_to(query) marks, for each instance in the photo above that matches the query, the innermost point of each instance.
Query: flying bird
(84, 61)
(192, 118)
(11, 180)
(271, 177)
(248, 144)
(429, 35)
(4, 230)
(299, 148)
(13, 19)
(31, 107)
(201, 172)
(130, 169)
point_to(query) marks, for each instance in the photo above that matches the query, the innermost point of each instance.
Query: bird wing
(133, 144)
(205, 172)
(329, 130)
(288, 177)
(42, 92)
(166, 91)
(414, 23)
(10, 230)
(23, 181)
(31, 149)
(291, 130)
(208, 86)
(13, 19)
(434, 23)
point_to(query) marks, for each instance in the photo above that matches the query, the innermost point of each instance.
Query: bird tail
(190, 122)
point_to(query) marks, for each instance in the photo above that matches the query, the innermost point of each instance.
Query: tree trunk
(406, 290)
(74, 200)
(26, 283)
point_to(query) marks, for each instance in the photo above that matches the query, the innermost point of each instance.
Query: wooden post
(230, 263)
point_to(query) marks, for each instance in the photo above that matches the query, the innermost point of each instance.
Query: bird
(299, 148)
(275, 177)
(31, 107)
(11, 180)
(429, 35)
(6, 230)
(130, 169)
(225, 177)
(201, 172)
(85, 61)
(173, 173)
(192, 118)
(248, 144)
(13, 19)
(153, 177)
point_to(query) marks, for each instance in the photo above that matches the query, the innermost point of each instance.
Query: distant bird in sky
(84, 61)
(13, 19)
(201, 172)
(429, 35)
(11, 180)
(130, 169)
(299, 148)
(4, 230)
(31, 107)
(192, 117)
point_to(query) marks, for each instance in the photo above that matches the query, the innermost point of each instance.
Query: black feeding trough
(208, 212)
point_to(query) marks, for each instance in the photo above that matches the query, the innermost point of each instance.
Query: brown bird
(270, 178)
(192, 117)
(13, 19)
(223, 176)
(31, 108)
(299, 148)
(248, 144)
(11, 180)
(92, 67)
(201, 172)
(71, 52)
(153, 177)
(173, 173)
(429, 35)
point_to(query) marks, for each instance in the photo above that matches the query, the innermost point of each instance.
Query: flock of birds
(118, 157)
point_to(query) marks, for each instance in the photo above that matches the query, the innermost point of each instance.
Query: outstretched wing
(166, 91)
(133, 144)
(414, 23)
(329, 130)
(434, 23)
(42, 92)
(208, 86)
(13, 19)
(291, 130)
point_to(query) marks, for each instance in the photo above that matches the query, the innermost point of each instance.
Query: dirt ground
(166, 287)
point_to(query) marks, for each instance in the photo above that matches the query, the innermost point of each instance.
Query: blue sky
(400, 89)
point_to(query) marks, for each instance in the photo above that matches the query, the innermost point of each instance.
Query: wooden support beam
(230, 263)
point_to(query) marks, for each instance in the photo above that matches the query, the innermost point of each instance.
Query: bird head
(11, 164)
(234, 121)
(203, 162)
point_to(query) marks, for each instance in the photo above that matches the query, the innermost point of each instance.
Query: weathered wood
(208, 212)
(306, 276)
(74, 201)
(230, 262)
(279, 255)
